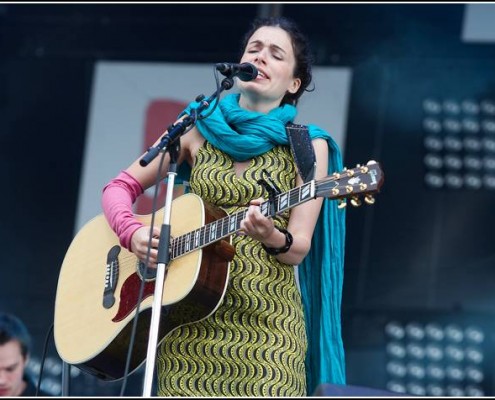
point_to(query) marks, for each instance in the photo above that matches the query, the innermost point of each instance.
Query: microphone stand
(174, 132)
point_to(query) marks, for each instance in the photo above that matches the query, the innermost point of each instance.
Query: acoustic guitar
(99, 282)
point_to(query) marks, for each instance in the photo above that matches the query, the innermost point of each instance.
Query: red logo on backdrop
(159, 115)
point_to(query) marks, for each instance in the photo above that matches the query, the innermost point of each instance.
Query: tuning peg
(361, 168)
(355, 201)
(342, 203)
(369, 199)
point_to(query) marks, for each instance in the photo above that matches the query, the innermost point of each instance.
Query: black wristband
(288, 243)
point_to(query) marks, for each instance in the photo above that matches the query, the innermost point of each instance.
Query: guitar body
(93, 332)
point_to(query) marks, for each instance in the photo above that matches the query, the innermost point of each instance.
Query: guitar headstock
(352, 183)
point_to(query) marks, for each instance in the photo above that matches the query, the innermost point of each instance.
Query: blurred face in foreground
(12, 364)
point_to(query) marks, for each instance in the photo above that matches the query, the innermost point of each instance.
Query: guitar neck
(348, 183)
(230, 224)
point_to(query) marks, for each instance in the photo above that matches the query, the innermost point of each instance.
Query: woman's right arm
(121, 192)
(118, 197)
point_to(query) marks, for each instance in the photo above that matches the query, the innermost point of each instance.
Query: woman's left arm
(302, 220)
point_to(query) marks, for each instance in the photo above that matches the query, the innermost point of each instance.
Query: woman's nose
(260, 56)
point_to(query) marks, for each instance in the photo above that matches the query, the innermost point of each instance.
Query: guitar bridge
(111, 277)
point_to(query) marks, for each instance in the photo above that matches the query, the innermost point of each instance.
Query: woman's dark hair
(302, 52)
(12, 328)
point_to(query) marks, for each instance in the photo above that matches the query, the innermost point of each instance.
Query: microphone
(245, 72)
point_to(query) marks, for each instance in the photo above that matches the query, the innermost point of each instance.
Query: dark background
(419, 254)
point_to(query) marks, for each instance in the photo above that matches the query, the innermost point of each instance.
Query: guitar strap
(302, 150)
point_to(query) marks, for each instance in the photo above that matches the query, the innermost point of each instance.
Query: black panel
(416, 237)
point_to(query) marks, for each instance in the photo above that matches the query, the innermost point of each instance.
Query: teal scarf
(245, 134)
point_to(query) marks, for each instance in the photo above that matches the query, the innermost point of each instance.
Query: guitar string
(200, 237)
(179, 245)
(182, 244)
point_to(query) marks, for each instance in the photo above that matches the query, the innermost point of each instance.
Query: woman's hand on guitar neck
(139, 244)
(259, 227)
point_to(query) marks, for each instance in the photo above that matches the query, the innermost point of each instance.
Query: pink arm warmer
(118, 197)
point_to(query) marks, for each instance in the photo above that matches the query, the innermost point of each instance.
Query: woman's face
(270, 50)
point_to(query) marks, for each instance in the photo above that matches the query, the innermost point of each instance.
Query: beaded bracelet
(288, 243)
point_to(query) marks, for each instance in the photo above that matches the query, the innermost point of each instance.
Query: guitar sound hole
(148, 274)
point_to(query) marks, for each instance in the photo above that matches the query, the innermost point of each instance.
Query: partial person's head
(282, 54)
(15, 343)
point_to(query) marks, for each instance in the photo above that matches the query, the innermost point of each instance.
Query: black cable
(215, 100)
(45, 347)
(141, 288)
(155, 197)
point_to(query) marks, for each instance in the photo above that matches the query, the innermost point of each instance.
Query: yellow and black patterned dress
(254, 344)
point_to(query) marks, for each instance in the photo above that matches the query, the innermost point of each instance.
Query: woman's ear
(295, 85)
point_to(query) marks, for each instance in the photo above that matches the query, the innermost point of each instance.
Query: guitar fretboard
(230, 224)
(347, 183)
